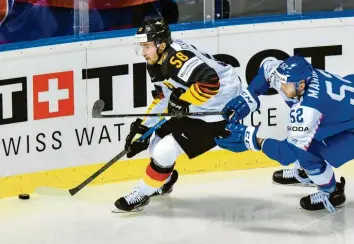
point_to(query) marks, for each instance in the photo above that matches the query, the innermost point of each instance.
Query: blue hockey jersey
(325, 109)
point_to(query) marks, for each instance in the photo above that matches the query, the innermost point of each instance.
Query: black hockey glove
(134, 147)
(175, 105)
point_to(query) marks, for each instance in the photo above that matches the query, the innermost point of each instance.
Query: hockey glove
(175, 105)
(241, 138)
(131, 145)
(239, 107)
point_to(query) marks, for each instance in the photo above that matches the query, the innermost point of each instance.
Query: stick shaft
(78, 188)
(160, 114)
(99, 105)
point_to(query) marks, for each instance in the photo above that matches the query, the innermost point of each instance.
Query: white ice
(225, 207)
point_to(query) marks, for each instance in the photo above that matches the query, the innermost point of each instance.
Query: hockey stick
(46, 190)
(99, 105)
(76, 189)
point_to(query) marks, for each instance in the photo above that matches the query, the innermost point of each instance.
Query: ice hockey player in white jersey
(185, 80)
(320, 130)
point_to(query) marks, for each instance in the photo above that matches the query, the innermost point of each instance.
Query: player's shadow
(247, 214)
(319, 224)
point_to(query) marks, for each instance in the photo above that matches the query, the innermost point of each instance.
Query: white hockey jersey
(209, 83)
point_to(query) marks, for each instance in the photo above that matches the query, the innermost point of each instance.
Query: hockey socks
(155, 177)
(323, 177)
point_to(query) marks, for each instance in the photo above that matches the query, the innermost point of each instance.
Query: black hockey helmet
(154, 30)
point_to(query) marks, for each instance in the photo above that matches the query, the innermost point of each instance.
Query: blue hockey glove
(239, 107)
(241, 138)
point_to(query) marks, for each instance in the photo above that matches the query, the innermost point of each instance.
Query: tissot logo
(317, 54)
(53, 95)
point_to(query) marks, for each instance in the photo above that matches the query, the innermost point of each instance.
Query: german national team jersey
(209, 83)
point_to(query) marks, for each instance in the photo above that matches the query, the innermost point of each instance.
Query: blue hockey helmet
(294, 69)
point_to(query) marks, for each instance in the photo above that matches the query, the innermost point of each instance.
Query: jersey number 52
(296, 115)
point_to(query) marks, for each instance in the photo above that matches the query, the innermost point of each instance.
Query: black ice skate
(292, 177)
(133, 202)
(167, 188)
(323, 200)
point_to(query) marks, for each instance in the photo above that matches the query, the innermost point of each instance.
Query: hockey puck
(24, 196)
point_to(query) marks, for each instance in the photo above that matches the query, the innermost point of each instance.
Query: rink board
(47, 134)
(131, 169)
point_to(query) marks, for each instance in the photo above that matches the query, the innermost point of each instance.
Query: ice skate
(133, 202)
(292, 177)
(324, 200)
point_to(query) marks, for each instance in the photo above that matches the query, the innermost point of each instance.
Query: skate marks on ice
(268, 211)
(264, 217)
(241, 207)
(216, 209)
(246, 217)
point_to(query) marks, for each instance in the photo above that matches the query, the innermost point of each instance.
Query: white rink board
(77, 57)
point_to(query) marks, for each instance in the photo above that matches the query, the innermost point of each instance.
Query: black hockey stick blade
(97, 109)
(76, 189)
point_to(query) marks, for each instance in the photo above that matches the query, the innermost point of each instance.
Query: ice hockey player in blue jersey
(320, 130)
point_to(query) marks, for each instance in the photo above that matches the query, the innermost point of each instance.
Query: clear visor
(277, 84)
(143, 49)
(281, 78)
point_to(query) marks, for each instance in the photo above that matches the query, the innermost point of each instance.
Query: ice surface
(228, 207)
